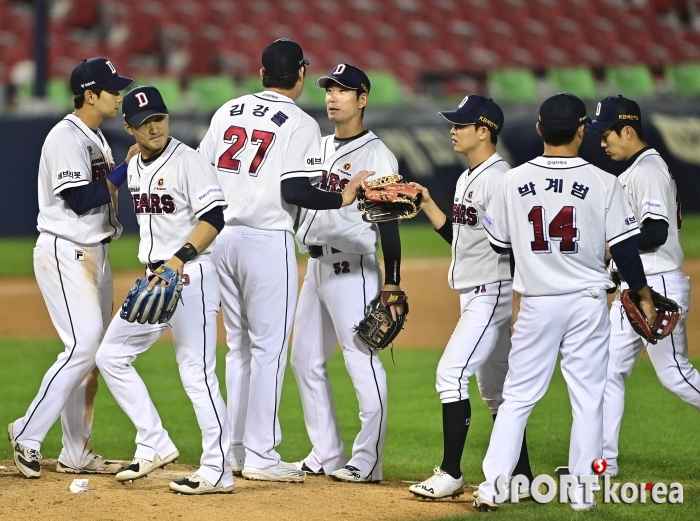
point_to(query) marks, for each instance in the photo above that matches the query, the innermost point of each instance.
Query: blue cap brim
(137, 119)
(456, 118)
(599, 126)
(118, 83)
(324, 80)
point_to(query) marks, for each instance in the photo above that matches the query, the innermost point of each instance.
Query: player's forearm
(300, 192)
(436, 216)
(202, 236)
(84, 198)
(391, 248)
(628, 262)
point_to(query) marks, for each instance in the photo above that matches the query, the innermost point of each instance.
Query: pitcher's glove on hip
(156, 305)
(667, 315)
(378, 329)
(388, 198)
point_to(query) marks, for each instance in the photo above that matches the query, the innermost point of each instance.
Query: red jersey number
(237, 137)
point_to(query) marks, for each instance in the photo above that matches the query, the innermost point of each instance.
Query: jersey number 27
(238, 138)
(562, 229)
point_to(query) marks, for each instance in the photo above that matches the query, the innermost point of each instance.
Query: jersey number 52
(562, 229)
(238, 138)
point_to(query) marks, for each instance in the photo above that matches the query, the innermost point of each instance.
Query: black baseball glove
(379, 329)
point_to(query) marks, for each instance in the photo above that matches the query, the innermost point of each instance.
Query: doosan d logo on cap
(464, 101)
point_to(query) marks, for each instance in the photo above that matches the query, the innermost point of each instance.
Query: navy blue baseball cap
(476, 109)
(563, 111)
(348, 76)
(613, 110)
(97, 73)
(283, 57)
(141, 103)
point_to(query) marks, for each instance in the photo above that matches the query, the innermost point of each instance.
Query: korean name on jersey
(557, 214)
(255, 142)
(474, 262)
(652, 193)
(74, 155)
(344, 229)
(169, 195)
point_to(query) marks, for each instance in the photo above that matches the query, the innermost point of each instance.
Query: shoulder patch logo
(469, 195)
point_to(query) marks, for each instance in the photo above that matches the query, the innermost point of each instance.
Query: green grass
(659, 432)
(417, 240)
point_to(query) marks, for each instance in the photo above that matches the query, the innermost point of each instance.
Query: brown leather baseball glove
(387, 199)
(667, 315)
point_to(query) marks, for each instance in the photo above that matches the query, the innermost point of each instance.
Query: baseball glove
(156, 305)
(378, 329)
(388, 199)
(667, 315)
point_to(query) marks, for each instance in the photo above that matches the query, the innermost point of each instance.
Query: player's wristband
(186, 253)
(118, 175)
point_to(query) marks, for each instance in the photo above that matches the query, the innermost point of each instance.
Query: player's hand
(647, 305)
(396, 309)
(426, 195)
(353, 186)
(133, 150)
(174, 264)
(608, 255)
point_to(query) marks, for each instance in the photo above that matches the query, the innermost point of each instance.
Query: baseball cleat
(196, 485)
(98, 465)
(351, 474)
(140, 468)
(584, 508)
(439, 486)
(237, 466)
(483, 505)
(562, 471)
(281, 472)
(301, 465)
(27, 460)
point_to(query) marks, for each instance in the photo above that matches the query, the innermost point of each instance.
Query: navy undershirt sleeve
(215, 217)
(445, 231)
(628, 262)
(82, 199)
(300, 192)
(652, 234)
(391, 248)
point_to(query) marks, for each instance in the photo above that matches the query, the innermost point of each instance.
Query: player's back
(255, 142)
(560, 213)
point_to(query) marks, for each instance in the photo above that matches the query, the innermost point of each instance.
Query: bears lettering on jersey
(465, 215)
(153, 204)
(332, 182)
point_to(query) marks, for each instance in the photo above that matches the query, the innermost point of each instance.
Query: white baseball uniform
(556, 213)
(72, 269)
(481, 341)
(255, 142)
(651, 191)
(337, 289)
(170, 193)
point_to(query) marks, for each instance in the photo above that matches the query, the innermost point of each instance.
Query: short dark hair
(286, 82)
(493, 135)
(636, 125)
(79, 99)
(557, 138)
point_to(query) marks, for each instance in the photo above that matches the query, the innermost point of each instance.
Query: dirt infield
(434, 306)
(318, 499)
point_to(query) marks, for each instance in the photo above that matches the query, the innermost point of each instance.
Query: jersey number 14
(562, 229)
(238, 138)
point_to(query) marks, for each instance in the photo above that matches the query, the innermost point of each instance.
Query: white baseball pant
(334, 297)
(259, 284)
(669, 357)
(194, 337)
(76, 283)
(576, 324)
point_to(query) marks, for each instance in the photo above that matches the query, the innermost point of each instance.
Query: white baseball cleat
(584, 508)
(140, 468)
(439, 486)
(483, 505)
(27, 460)
(280, 472)
(351, 474)
(562, 471)
(301, 465)
(197, 485)
(98, 465)
(237, 466)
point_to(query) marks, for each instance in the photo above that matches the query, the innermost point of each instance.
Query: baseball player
(342, 277)
(556, 213)
(77, 220)
(481, 341)
(179, 205)
(265, 149)
(651, 191)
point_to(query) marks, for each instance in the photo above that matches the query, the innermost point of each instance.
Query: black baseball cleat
(562, 471)
(27, 460)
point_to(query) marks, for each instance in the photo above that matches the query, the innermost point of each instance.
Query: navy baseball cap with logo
(563, 111)
(283, 57)
(347, 76)
(97, 73)
(476, 109)
(141, 103)
(613, 110)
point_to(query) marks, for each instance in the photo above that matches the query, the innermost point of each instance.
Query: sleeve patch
(209, 192)
(651, 205)
(68, 174)
(630, 220)
(488, 221)
(313, 161)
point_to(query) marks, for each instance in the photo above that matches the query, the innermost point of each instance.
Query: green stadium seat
(212, 91)
(386, 90)
(685, 77)
(58, 92)
(576, 80)
(313, 96)
(513, 85)
(631, 80)
(250, 85)
(169, 88)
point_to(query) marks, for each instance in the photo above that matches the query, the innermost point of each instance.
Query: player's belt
(153, 266)
(319, 251)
